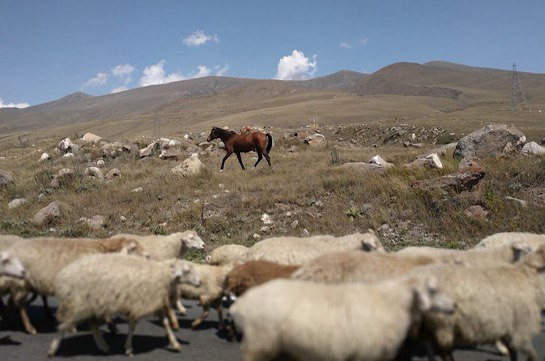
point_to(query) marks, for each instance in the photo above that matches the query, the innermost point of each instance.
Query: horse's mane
(224, 131)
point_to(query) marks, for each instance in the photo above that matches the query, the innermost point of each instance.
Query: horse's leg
(267, 157)
(259, 157)
(240, 160)
(225, 158)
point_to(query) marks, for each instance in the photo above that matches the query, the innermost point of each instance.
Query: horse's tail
(270, 143)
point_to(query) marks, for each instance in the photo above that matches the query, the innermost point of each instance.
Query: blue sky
(49, 49)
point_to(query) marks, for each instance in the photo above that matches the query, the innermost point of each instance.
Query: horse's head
(214, 134)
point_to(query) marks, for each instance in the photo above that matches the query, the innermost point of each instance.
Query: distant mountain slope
(343, 80)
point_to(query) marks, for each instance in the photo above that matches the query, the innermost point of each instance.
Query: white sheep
(227, 254)
(43, 258)
(367, 267)
(501, 302)
(472, 257)
(506, 238)
(313, 321)
(210, 291)
(174, 245)
(293, 250)
(100, 287)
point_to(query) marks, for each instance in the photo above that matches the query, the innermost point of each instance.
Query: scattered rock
(532, 148)
(476, 211)
(292, 149)
(94, 172)
(44, 157)
(47, 214)
(305, 233)
(378, 160)
(256, 237)
(150, 150)
(431, 161)
(174, 143)
(364, 167)
(315, 140)
(95, 223)
(5, 178)
(458, 182)
(137, 190)
(112, 150)
(521, 202)
(100, 163)
(91, 138)
(490, 141)
(68, 155)
(123, 218)
(294, 224)
(169, 154)
(470, 164)
(190, 166)
(65, 145)
(113, 173)
(266, 219)
(16, 203)
(265, 229)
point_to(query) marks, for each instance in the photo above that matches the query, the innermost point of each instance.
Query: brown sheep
(253, 273)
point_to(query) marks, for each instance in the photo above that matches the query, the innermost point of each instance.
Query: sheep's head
(430, 298)
(11, 266)
(185, 272)
(371, 243)
(190, 239)
(536, 259)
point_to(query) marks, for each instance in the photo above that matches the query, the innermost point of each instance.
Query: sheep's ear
(520, 250)
(208, 259)
(423, 299)
(536, 259)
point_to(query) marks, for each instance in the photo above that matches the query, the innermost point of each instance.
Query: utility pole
(517, 90)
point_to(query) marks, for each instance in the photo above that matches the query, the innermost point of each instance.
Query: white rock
(137, 190)
(378, 160)
(100, 163)
(532, 148)
(305, 233)
(123, 219)
(434, 161)
(294, 224)
(44, 157)
(522, 202)
(91, 138)
(16, 203)
(174, 143)
(68, 155)
(65, 145)
(256, 236)
(94, 172)
(190, 166)
(95, 222)
(266, 219)
(65, 172)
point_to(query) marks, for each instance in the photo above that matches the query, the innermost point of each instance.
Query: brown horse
(243, 143)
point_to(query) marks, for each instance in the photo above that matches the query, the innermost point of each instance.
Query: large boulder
(150, 150)
(532, 148)
(315, 140)
(378, 160)
(16, 203)
(457, 182)
(490, 141)
(431, 161)
(91, 138)
(190, 166)
(112, 150)
(169, 154)
(5, 178)
(47, 214)
(66, 146)
(94, 172)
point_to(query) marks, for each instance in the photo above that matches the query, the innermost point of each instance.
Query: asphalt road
(150, 342)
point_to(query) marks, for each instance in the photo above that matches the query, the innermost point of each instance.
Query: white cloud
(118, 89)
(345, 45)
(13, 105)
(155, 74)
(363, 41)
(97, 80)
(221, 70)
(203, 71)
(296, 66)
(199, 38)
(123, 72)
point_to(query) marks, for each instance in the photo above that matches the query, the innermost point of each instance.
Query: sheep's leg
(171, 337)
(99, 340)
(46, 308)
(111, 326)
(173, 319)
(55, 344)
(181, 307)
(26, 320)
(446, 355)
(219, 310)
(500, 346)
(128, 342)
(202, 317)
(528, 349)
